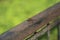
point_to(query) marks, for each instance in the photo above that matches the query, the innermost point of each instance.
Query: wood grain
(29, 26)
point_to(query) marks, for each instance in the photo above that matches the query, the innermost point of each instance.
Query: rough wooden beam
(31, 25)
(43, 31)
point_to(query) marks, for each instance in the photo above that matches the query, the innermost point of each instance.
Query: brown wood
(29, 26)
(44, 30)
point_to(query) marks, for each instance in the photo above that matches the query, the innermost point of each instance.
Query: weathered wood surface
(43, 31)
(31, 25)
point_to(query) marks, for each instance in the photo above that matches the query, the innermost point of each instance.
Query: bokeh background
(13, 12)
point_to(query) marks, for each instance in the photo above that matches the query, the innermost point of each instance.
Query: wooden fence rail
(21, 31)
(43, 31)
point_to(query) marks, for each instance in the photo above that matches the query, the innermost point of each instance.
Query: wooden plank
(43, 31)
(31, 25)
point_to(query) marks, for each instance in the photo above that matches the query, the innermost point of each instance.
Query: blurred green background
(13, 12)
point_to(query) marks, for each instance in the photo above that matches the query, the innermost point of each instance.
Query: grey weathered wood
(21, 31)
(43, 31)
